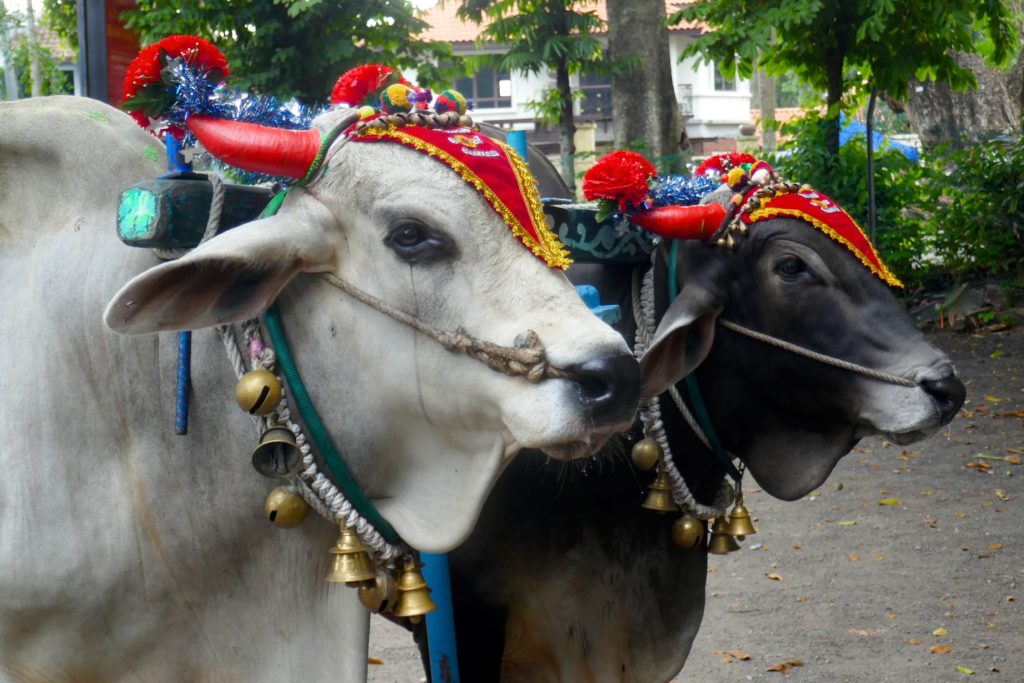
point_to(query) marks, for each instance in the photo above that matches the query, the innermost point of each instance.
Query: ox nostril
(948, 392)
(609, 386)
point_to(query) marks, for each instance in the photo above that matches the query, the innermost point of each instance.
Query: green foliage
(899, 186)
(848, 47)
(298, 48)
(955, 216)
(979, 230)
(61, 17)
(55, 81)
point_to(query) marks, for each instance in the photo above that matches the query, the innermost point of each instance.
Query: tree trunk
(834, 73)
(644, 103)
(35, 72)
(941, 116)
(766, 95)
(10, 73)
(566, 126)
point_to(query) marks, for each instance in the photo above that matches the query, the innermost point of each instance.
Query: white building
(712, 107)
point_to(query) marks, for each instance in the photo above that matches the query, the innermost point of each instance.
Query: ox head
(426, 431)
(790, 418)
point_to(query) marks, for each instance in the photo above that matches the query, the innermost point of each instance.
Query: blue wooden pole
(444, 661)
(516, 139)
(176, 164)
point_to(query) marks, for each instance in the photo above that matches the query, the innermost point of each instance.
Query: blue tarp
(853, 129)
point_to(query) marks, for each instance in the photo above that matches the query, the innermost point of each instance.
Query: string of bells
(399, 591)
(688, 531)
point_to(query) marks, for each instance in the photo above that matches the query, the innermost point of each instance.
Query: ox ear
(682, 340)
(234, 276)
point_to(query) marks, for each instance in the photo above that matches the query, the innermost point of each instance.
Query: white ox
(130, 554)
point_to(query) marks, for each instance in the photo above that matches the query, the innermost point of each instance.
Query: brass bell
(258, 392)
(687, 531)
(739, 521)
(659, 495)
(351, 563)
(646, 453)
(722, 542)
(379, 595)
(413, 594)
(277, 454)
(285, 508)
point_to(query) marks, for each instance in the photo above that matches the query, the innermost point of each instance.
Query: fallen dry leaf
(1014, 413)
(784, 667)
(980, 466)
(879, 558)
(1011, 598)
(774, 576)
(739, 654)
(1013, 459)
(993, 399)
(1001, 495)
(964, 670)
(940, 649)
(940, 632)
(889, 501)
(803, 598)
(374, 660)
(913, 641)
(850, 522)
(854, 557)
(995, 546)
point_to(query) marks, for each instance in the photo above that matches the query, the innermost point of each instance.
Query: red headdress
(621, 178)
(494, 170)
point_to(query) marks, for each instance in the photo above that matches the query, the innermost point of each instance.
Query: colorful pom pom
(761, 173)
(450, 100)
(622, 177)
(144, 89)
(366, 112)
(722, 163)
(735, 178)
(397, 98)
(360, 85)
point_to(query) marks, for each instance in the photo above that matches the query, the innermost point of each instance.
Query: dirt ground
(906, 566)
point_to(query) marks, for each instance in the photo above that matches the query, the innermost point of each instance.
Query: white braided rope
(212, 222)
(314, 487)
(820, 357)
(650, 414)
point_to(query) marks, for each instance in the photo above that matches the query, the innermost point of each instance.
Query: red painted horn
(681, 222)
(249, 146)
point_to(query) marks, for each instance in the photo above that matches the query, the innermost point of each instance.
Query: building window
(723, 83)
(597, 96)
(488, 88)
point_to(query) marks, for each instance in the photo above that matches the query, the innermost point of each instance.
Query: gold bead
(285, 508)
(687, 531)
(258, 392)
(646, 453)
(378, 595)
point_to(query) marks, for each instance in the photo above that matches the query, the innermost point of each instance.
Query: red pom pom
(723, 163)
(146, 67)
(622, 177)
(360, 85)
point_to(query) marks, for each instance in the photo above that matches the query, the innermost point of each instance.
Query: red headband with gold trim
(825, 215)
(494, 170)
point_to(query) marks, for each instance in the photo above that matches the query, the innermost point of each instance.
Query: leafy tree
(542, 35)
(297, 48)
(854, 46)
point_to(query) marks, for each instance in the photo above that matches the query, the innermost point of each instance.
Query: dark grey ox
(568, 579)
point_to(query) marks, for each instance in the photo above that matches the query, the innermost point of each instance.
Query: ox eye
(792, 268)
(414, 242)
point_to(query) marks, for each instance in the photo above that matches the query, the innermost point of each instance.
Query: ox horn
(252, 147)
(681, 222)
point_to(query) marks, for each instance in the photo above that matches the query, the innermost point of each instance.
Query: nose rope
(814, 355)
(527, 358)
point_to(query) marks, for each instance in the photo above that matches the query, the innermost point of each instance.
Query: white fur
(130, 554)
